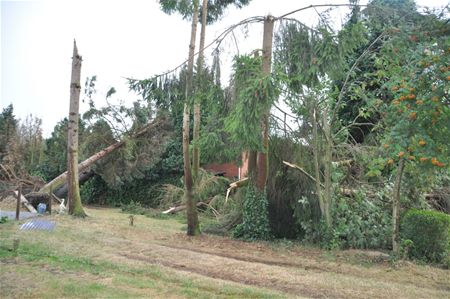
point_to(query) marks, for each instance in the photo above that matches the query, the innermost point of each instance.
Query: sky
(117, 40)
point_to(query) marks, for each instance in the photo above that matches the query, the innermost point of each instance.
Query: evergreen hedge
(429, 232)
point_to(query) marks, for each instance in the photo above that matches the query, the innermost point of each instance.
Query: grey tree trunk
(396, 207)
(327, 161)
(84, 176)
(191, 209)
(316, 154)
(197, 104)
(262, 162)
(74, 199)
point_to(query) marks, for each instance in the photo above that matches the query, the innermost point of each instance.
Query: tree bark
(396, 207)
(316, 151)
(18, 202)
(262, 162)
(82, 178)
(74, 199)
(191, 210)
(251, 171)
(328, 159)
(197, 104)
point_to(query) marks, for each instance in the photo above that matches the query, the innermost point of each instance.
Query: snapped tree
(74, 199)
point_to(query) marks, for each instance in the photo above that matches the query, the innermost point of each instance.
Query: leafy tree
(8, 126)
(31, 143)
(417, 112)
(310, 60)
(190, 10)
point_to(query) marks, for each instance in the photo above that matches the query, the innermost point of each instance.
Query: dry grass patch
(106, 257)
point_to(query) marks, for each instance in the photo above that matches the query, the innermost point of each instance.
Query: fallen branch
(303, 171)
(25, 202)
(173, 210)
(215, 212)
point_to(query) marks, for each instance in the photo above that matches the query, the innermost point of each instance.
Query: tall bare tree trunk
(197, 104)
(316, 154)
(327, 161)
(262, 162)
(191, 209)
(396, 207)
(74, 200)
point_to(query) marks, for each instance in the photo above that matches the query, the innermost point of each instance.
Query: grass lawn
(102, 256)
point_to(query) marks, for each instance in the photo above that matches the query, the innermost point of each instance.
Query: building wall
(231, 170)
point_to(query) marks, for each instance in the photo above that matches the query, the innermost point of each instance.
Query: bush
(429, 232)
(255, 217)
(358, 222)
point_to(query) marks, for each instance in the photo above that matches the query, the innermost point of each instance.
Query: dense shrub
(255, 217)
(359, 222)
(429, 232)
(293, 211)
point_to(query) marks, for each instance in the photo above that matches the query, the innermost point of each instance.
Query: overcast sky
(116, 39)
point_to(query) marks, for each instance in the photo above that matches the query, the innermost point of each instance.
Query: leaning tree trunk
(74, 199)
(262, 163)
(197, 104)
(396, 207)
(83, 177)
(191, 209)
(60, 180)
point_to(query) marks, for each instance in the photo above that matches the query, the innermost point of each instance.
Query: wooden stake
(19, 195)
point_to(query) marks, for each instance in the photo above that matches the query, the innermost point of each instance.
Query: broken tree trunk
(236, 185)
(60, 180)
(262, 162)
(73, 196)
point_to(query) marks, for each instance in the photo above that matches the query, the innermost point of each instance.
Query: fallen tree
(25, 202)
(56, 183)
(83, 177)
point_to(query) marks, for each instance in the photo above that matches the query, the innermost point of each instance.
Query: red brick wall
(230, 169)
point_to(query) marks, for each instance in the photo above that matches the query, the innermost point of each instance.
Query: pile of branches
(11, 181)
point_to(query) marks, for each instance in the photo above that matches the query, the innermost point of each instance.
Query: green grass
(124, 281)
(95, 258)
